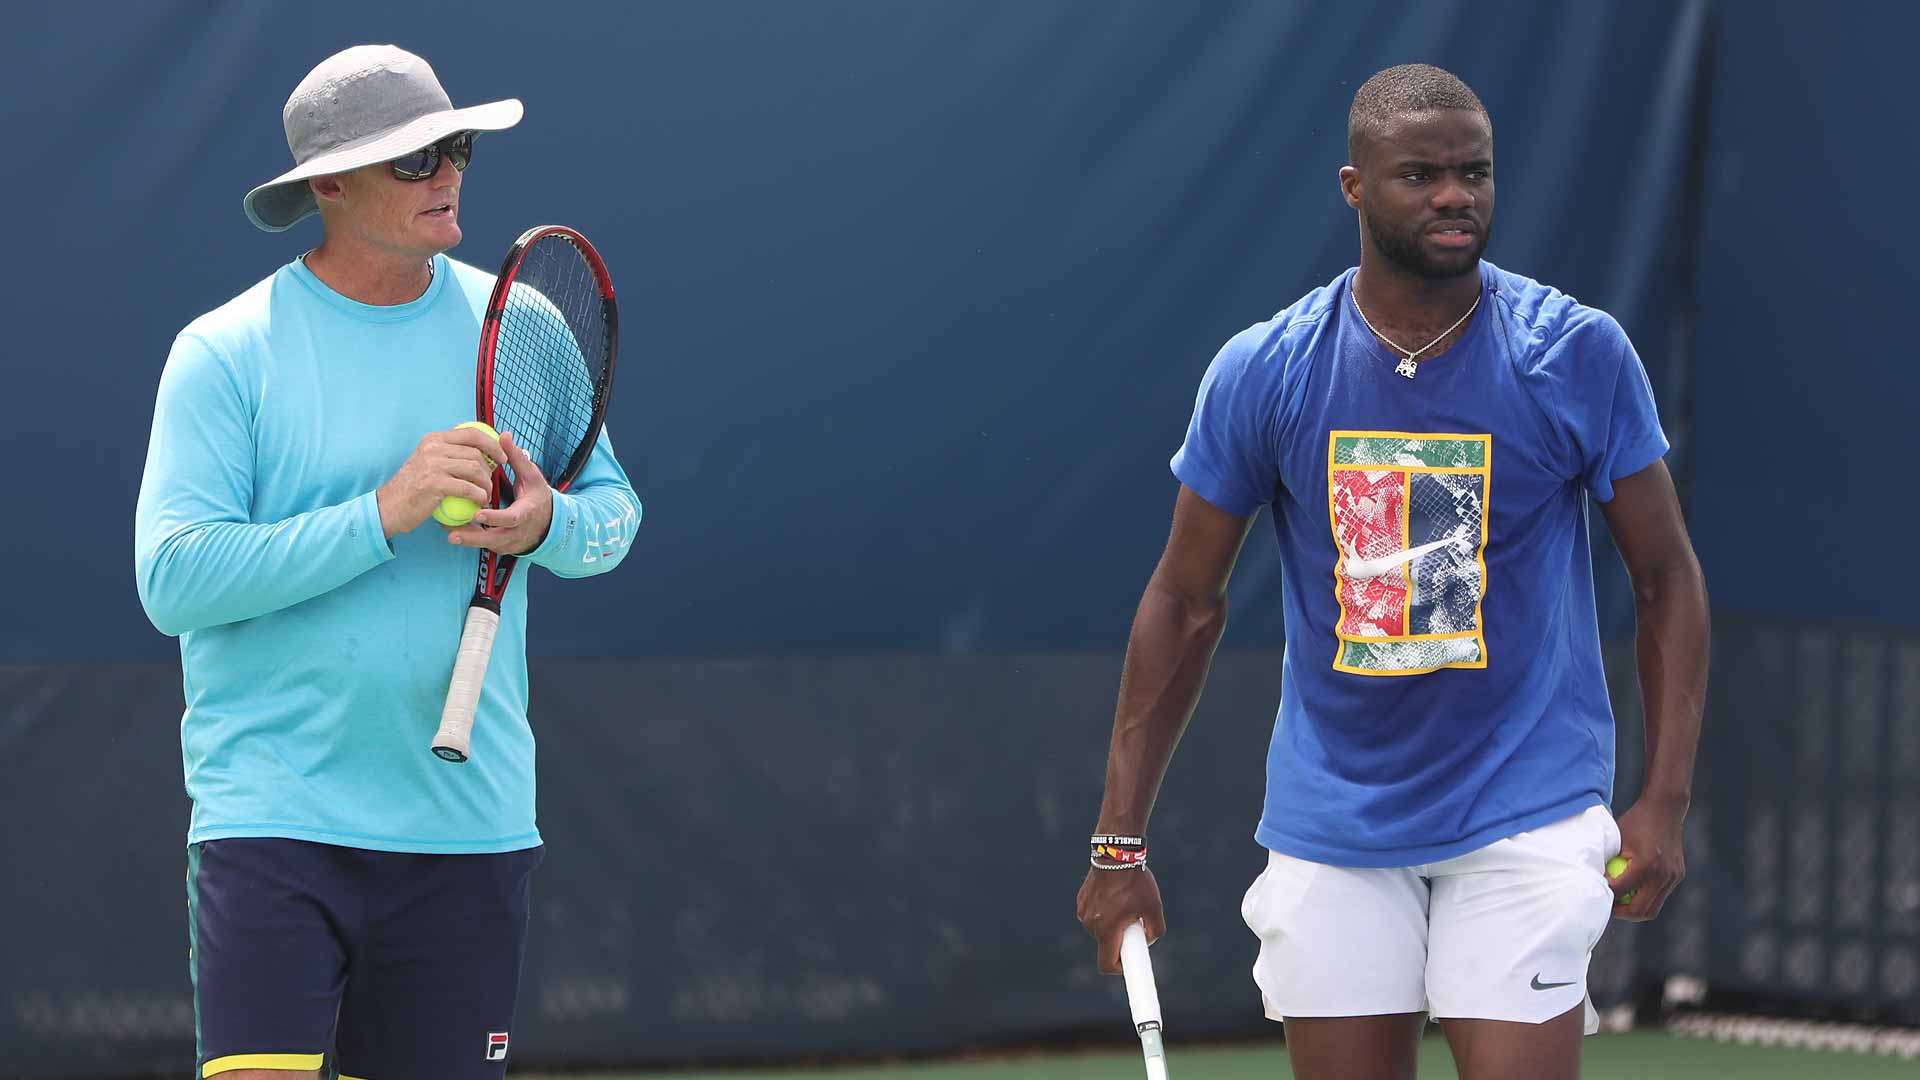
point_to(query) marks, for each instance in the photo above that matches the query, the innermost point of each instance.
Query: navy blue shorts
(368, 964)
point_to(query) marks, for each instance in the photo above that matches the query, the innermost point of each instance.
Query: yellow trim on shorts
(262, 1061)
(344, 1076)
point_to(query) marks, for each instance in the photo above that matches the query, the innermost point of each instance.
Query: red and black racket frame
(496, 570)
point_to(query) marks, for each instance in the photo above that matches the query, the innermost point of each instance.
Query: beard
(1404, 249)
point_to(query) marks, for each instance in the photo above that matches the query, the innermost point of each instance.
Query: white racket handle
(1143, 998)
(454, 739)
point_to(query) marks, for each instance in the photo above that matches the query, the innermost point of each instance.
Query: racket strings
(551, 355)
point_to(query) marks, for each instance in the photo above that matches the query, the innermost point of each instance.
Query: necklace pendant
(1407, 368)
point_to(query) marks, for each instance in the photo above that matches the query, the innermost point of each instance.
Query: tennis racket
(545, 374)
(1143, 998)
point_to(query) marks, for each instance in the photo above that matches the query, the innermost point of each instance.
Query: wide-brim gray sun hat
(360, 106)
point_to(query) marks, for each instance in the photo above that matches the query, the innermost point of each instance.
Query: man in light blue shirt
(356, 904)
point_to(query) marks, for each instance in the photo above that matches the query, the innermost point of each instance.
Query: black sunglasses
(423, 163)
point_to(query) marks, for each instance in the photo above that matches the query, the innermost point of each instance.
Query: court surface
(1632, 1056)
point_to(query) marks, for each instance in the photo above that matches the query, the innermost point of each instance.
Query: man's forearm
(1168, 655)
(1671, 647)
(594, 522)
(209, 573)
(590, 531)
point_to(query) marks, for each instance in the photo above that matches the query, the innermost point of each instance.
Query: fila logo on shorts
(496, 1045)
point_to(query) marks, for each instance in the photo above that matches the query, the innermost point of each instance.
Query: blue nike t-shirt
(1442, 685)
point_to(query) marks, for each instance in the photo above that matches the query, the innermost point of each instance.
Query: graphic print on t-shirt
(1409, 515)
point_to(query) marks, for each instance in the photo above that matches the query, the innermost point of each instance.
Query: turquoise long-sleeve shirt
(315, 652)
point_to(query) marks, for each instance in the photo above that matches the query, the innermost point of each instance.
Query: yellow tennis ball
(453, 510)
(1615, 867)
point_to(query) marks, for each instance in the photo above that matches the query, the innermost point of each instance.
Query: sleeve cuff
(366, 521)
(560, 530)
(1212, 488)
(1629, 462)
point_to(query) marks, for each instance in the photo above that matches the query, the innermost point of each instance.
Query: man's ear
(1350, 185)
(327, 189)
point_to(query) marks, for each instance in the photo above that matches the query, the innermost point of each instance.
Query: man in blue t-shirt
(356, 906)
(1428, 430)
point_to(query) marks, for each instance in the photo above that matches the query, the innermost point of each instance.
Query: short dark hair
(1408, 88)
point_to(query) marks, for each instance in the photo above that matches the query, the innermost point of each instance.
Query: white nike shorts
(1502, 933)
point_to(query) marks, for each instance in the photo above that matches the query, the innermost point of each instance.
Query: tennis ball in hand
(1615, 867)
(453, 510)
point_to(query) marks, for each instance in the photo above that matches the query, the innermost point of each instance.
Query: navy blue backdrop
(915, 300)
(1805, 394)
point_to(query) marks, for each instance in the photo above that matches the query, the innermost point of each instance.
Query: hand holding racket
(1143, 999)
(520, 527)
(545, 374)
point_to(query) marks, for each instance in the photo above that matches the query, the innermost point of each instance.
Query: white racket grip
(453, 741)
(1142, 996)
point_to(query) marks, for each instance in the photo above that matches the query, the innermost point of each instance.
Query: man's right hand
(1181, 615)
(1112, 900)
(445, 463)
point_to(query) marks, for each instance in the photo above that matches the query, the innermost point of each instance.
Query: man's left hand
(1651, 839)
(520, 527)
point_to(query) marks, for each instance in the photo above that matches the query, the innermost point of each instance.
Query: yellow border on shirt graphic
(1485, 471)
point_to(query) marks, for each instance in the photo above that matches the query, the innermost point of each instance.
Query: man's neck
(1392, 297)
(371, 277)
